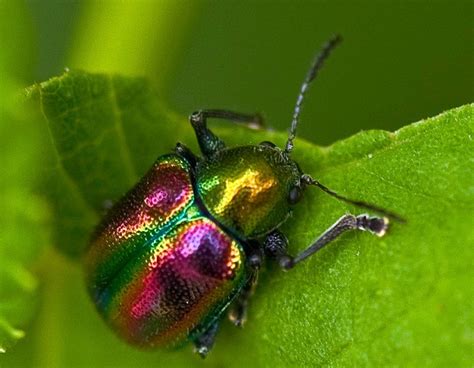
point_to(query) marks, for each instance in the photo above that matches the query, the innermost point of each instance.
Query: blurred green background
(401, 61)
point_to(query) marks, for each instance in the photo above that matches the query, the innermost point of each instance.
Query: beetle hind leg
(204, 342)
(237, 314)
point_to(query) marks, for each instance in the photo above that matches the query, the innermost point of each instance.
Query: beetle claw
(238, 320)
(376, 225)
(202, 351)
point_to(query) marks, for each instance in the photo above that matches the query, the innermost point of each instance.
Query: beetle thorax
(246, 189)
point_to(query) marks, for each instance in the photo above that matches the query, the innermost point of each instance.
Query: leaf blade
(360, 300)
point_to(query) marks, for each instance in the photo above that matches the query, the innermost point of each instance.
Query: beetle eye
(294, 195)
(268, 144)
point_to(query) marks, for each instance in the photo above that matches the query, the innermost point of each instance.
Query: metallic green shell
(246, 188)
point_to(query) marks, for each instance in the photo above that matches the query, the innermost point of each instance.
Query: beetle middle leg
(238, 312)
(208, 141)
(275, 244)
(204, 342)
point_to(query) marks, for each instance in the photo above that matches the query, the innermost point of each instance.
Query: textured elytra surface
(403, 299)
(156, 269)
(141, 215)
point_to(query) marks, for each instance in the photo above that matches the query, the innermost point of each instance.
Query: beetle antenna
(310, 181)
(312, 73)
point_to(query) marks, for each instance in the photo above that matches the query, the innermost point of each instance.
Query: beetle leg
(204, 342)
(186, 153)
(208, 141)
(275, 244)
(238, 313)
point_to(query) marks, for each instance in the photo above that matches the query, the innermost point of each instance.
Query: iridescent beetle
(188, 240)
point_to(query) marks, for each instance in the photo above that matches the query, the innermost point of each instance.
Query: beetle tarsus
(375, 225)
(204, 343)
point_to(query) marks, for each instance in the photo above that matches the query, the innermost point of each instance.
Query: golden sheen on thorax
(245, 188)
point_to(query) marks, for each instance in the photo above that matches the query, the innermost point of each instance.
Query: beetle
(186, 243)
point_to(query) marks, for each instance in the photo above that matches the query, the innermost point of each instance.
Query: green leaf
(405, 299)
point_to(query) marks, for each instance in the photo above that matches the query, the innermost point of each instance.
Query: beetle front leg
(208, 141)
(275, 244)
(204, 342)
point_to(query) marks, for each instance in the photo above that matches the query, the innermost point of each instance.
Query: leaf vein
(124, 146)
(69, 180)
